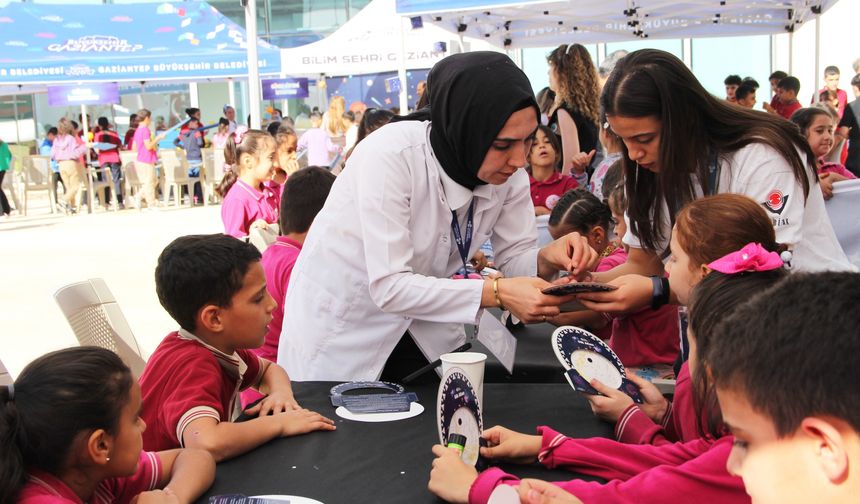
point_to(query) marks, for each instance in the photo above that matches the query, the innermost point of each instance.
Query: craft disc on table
(586, 357)
(459, 412)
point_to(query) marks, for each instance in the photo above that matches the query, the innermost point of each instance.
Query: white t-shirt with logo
(760, 172)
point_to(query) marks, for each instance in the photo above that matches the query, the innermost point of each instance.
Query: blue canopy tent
(49, 44)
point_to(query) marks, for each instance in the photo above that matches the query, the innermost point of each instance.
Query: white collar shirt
(378, 259)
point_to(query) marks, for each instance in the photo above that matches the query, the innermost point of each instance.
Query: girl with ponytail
(248, 199)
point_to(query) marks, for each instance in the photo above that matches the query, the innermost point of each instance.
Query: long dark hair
(713, 299)
(695, 126)
(56, 397)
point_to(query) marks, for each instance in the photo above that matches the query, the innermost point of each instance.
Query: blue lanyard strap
(463, 245)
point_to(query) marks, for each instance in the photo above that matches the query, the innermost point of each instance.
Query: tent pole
(401, 70)
(90, 196)
(687, 52)
(791, 53)
(17, 127)
(817, 53)
(193, 97)
(253, 63)
(231, 93)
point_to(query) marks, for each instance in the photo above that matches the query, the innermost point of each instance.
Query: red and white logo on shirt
(776, 201)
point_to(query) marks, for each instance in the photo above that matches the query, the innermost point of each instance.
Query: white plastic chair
(99, 186)
(213, 170)
(37, 177)
(211, 173)
(133, 185)
(5, 377)
(11, 183)
(174, 165)
(96, 319)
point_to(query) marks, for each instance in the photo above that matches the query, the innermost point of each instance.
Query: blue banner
(88, 94)
(121, 42)
(282, 89)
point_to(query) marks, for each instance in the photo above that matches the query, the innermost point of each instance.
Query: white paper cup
(472, 363)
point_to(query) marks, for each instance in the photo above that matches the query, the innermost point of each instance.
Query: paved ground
(42, 252)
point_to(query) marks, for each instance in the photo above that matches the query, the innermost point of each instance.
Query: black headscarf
(472, 95)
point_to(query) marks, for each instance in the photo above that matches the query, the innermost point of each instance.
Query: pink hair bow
(239, 134)
(753, 257)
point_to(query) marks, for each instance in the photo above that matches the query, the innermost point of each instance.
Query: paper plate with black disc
(586, 357)
(459, 412)
(374, 401)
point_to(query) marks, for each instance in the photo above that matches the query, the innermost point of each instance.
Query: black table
(390, 462)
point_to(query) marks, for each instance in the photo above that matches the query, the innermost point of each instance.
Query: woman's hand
(634, 292)
(534, 491)
(260, 224)
(522, 296)
(451, 478)
(542, 210)
(510, 446)
(570, 253)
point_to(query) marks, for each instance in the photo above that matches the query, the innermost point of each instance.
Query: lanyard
(463, 245)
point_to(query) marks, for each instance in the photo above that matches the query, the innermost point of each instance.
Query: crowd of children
(765, 404)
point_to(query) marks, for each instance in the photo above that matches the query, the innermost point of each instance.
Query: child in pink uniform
(248, 200)
(71, 432)
(304, 196)
(682, 472)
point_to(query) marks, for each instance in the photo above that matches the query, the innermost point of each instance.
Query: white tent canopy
(370, 42)
(517, 24)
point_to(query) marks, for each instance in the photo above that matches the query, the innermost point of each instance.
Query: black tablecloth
(390, 462)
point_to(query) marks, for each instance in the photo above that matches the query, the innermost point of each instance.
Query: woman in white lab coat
(420, 197)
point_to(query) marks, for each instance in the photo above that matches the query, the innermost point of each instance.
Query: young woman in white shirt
(681, 143)
(378, 259)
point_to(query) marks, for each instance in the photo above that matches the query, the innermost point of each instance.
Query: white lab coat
(379, 257)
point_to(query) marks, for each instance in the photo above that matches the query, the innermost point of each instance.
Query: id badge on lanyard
(464, 243)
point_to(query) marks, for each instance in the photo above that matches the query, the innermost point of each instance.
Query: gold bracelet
(496, 293)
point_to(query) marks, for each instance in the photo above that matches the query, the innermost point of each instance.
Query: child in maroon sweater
(705, 230)
(692, 468)
(679, 471)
